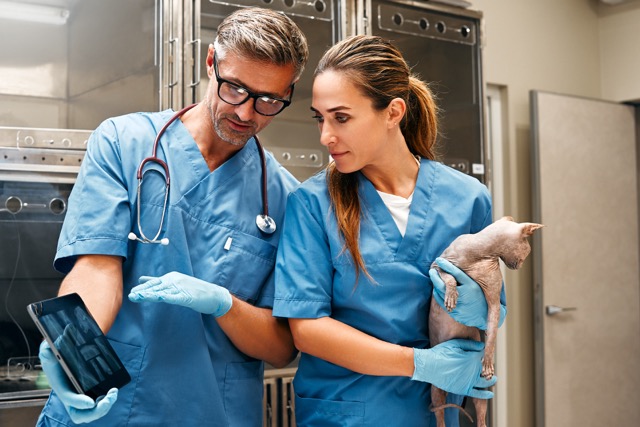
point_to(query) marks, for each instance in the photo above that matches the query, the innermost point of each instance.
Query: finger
(161, 289)
(169, 295)
(154, 286)
(484, 383)
(460, 275)
(45, 352)
(437, 281)
(439, 299)
(106, 402)
(147, 296)
(75, 400)
(503, 315)
(480, 394)
(468, 345)
(146, 281)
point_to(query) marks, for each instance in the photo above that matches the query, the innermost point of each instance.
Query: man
(197, 360)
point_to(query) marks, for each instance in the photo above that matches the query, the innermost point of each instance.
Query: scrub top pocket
(247, 263)
(328, 413)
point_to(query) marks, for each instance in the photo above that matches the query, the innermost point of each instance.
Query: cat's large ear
(507, 218)
(529, 227)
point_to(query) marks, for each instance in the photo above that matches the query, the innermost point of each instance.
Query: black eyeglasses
(234, 94)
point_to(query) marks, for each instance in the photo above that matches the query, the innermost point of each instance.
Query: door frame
(495, 153)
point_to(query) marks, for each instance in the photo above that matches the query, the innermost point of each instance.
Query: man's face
(236, 124)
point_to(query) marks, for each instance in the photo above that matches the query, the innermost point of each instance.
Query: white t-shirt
(399, 208)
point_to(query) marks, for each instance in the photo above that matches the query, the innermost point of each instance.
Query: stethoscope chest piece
(266, 224)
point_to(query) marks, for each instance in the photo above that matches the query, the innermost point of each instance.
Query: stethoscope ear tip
(164, 241)
(132, 236)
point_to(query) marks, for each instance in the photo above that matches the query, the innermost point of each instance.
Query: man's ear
(396, 110)
(209, 60)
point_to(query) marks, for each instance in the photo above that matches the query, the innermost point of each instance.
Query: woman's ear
(396, 110)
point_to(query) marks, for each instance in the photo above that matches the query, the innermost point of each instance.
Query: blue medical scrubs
(184, 369)
(314, 279)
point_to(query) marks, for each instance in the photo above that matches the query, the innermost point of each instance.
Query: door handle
(552, 310)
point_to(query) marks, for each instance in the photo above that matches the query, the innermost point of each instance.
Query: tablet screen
(85, 352)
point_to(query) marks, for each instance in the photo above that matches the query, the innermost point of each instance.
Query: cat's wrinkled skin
(478, 256)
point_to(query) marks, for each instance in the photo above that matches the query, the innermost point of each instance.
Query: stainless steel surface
(101, 63)
(279, 398)
(38, 167)
(44, 155)
(443, 46)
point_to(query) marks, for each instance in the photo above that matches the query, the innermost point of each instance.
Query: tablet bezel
(69, 307)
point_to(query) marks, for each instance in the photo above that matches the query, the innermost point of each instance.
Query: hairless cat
(477, 255)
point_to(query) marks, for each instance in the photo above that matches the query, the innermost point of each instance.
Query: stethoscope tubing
(264, 222)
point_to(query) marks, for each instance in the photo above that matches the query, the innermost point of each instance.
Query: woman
(352, 272)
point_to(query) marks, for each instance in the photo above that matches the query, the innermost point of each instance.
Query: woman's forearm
(343, 345)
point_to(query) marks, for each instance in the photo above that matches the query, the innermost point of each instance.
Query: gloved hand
(471, 309)
(180, 289)
(81, 408)
(453, 366)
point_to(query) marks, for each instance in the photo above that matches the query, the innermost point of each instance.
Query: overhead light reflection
(29, 12)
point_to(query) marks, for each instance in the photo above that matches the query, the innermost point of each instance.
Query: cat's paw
(451, 299)
(487, 370)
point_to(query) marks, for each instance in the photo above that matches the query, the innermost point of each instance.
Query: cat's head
(514, 243)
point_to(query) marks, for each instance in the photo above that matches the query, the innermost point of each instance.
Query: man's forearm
(258, 334)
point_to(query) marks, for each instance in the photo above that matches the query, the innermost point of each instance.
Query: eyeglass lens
(235, 95)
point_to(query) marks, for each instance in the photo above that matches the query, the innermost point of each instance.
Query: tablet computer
(91, 364)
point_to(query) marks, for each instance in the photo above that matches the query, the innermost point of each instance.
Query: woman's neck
(396, 174)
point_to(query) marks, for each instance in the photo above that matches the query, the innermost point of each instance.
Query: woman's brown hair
(377, 68)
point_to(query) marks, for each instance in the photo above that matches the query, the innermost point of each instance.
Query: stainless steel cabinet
(180, 53)
(443, 46)
(102, 60)
(66, 65)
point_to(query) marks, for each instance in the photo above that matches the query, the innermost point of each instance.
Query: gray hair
(263, 35)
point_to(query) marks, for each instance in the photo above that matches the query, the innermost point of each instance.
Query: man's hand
(180, 289)
(81, 408)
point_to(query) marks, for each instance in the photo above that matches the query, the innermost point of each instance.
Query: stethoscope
(264, 222)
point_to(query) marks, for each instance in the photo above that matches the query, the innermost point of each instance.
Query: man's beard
(227, 134)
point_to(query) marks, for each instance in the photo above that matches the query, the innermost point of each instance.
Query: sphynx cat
(478, 256)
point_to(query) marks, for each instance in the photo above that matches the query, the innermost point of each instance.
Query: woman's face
(351, 129)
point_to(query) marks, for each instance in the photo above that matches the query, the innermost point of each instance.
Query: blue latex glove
(453, 366)
(81, 408)
(180, 289)
(471, 309)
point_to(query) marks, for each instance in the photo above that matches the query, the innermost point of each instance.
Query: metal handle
(195, 80)
(552, 310)
(173, 59)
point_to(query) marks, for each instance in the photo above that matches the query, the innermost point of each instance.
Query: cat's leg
(490, 338)
(438, 401)
(481, 411)
(451, 289)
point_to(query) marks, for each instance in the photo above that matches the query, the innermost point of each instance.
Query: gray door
(586, 262)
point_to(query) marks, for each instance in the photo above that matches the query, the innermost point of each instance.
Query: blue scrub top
(184, 369)
(314, 279)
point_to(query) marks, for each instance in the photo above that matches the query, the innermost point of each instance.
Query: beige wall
(577, 47)
(619, 47)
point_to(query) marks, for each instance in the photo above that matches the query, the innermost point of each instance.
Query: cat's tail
(451, 405)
